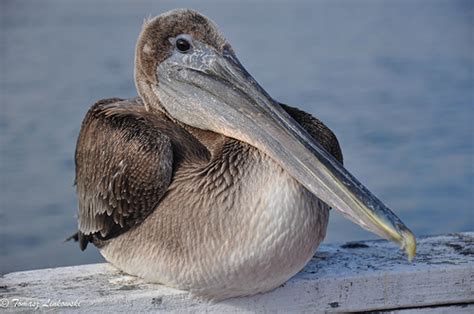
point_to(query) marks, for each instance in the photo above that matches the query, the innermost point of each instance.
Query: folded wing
(123, 168)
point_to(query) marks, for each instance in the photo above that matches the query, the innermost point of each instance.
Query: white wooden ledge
(360, 276)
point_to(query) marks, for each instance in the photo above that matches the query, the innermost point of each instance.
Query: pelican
(204, 182)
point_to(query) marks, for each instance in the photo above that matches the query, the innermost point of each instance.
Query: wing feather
(317, 129)
(124, 166)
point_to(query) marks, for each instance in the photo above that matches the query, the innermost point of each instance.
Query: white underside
(242, 252)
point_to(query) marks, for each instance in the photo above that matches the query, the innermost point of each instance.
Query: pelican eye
(183, 45)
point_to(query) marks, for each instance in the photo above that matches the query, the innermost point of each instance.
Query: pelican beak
(211, 90)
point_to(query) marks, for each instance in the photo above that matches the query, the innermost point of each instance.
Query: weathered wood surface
(362, 276)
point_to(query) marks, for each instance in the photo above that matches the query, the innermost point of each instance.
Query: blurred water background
(393, 79)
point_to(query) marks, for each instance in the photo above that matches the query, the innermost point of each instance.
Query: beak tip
(409, 244)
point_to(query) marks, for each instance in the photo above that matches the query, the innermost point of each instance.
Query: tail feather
(81, 238)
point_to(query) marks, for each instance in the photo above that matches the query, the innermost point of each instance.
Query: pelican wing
(318, 130)
(124, 165)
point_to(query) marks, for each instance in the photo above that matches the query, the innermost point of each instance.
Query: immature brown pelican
(204, 182)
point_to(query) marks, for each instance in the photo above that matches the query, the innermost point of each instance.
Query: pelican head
(186, 69)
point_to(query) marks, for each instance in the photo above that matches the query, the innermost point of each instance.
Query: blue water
(394, 80)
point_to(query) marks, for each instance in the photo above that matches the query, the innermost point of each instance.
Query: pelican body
(204, 182)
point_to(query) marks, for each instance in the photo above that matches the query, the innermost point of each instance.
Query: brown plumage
(204, 182)
(153, 45)
(126, 156)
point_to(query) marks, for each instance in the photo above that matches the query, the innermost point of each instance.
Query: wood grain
(360, 276)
